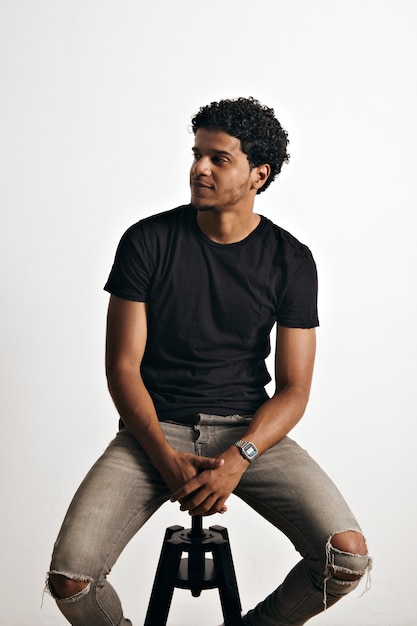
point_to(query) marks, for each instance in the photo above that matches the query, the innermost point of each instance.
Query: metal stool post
(196, 572)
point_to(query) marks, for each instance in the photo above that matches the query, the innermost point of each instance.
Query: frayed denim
(284, 485)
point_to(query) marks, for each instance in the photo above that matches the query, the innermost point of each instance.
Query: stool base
(196, 573)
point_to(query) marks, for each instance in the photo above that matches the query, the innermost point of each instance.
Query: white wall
(96, 98)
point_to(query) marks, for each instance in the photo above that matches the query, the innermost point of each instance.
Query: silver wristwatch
(247, 449)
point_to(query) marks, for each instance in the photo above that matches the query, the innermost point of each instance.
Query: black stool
(195, 572)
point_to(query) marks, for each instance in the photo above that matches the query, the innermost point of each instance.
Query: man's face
(220, 177)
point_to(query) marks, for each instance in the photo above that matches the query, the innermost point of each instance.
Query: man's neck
(226, 228)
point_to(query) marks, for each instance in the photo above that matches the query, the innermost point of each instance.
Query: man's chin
(201, 206)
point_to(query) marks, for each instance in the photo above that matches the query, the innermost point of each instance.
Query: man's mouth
(198, 183)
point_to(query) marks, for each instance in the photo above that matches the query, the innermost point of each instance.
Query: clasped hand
(201, 484)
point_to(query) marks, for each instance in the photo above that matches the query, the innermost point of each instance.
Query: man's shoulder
(158, 225)
(165, 217)
(285, 239)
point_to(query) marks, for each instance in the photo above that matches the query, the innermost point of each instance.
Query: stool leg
(196, 570)
(228, 589)
(163, 586)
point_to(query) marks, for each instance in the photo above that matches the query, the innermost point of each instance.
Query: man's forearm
(276, 417)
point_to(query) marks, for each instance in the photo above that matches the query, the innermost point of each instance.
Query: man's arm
(125, 346)
(295, 353)
(294, 362)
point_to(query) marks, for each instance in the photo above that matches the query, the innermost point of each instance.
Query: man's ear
(262, 173)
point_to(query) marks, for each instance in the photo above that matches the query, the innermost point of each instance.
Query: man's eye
(196, 156)
(219, 160)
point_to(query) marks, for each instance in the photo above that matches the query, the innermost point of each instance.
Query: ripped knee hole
(64, 586)
(347, 556)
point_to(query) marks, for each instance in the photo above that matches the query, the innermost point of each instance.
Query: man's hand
(181, 467)
(206, 493)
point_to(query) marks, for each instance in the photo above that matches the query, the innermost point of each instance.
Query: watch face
(250, 450)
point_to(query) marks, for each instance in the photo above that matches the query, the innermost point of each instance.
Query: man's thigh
(288, 488)
(117, 496)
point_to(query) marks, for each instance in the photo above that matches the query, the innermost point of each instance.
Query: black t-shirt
(211, 308)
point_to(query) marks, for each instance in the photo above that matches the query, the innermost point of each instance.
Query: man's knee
(63, 587)
(350, 541)
(347, 556)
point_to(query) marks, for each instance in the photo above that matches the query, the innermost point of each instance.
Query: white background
(96, 99)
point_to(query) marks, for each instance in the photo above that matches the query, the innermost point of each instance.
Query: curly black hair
(261, 136)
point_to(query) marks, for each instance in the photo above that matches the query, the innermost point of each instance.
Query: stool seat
(196, 573)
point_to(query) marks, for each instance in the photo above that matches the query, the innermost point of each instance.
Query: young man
(195, 293)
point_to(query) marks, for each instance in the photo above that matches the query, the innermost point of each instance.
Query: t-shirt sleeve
(298, 308)
(131, 273)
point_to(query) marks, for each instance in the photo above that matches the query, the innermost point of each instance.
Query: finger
(218, 508)
(200, 501)
(205, 503)
(205, 462)
(200, 505)
(186, 490)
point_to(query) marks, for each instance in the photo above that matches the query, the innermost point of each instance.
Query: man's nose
(202, 167)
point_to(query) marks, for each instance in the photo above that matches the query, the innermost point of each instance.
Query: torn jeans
(284, 485)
